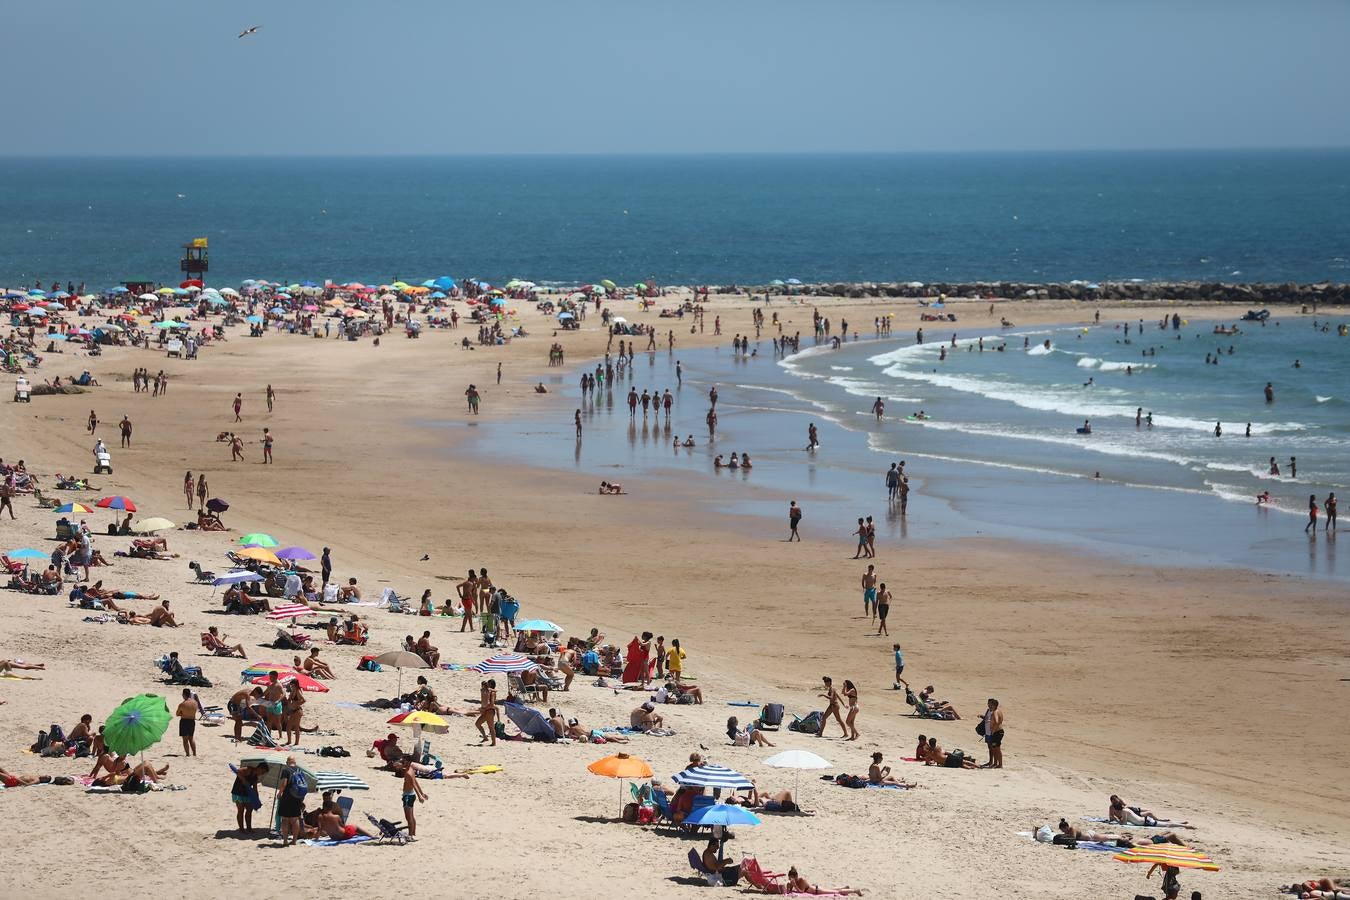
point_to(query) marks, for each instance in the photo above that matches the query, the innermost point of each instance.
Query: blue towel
(329, 842)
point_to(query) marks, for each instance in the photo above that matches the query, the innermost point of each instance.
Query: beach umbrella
(797, 760)
(1174, 855)
(338, 781)
(137, 724)
(418, 720)
(306, 683)
(401, 659)
(20, 307)
(191, 283)
(538, 625)
(27, 553)
(530, 721)
(116, 502)
(261, 554)
(295, 553)
(258, 539)
(607, 284)
(262, 668)
(712, 776)
(167, 290)
(502, 663)
(229, 292)
(151, 525)
(721, 814)
(217, 505)
(55, 337)
(149, 298)
(290, 611)
(253, 320)
(621, 766)
(236, 578)
(796, 281)
(37, 311)
(77, 508)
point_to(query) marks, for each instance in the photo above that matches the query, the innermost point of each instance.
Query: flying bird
(247, 31)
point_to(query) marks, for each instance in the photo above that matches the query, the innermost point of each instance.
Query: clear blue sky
(169, 77)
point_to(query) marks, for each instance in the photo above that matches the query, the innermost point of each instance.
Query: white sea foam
(1040, 350)
(842, 368)
(1321, 399)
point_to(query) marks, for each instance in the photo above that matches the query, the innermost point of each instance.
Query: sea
(997, 451)
(1271, 216)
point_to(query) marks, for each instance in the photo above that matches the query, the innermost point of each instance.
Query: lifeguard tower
(194, 262)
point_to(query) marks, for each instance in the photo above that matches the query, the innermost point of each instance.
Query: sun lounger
(772, 883)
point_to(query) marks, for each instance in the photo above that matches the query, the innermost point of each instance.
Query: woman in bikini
(487, 712)
(851, 696)
(201, 490)
(293, 710)
(831, 698)
(187, 488)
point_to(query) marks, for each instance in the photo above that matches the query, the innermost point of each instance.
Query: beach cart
(103, 463)
(23, 391)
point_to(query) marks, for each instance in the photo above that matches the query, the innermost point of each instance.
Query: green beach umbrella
(259, 539)
(137, 724)
(607, 284)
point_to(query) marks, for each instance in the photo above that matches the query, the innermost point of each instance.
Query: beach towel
(480, 770)
(892, 787)
(742, 703)
(1097, 846)
(1104, 820)
(454, 667)
(12, 677)
(329, 842)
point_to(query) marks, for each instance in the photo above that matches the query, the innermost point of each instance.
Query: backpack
(771, 716)
(850, 781)
(809, 724)
(297, 785)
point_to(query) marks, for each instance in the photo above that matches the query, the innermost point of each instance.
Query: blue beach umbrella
(538, 625)
(445, 282)
(437, 295)
(278, 310)
(530, 721)
(721, 814)
(235, 578)
(216, 300)
(254, 320)
(55, 337)
(27, 553)
(119, 290)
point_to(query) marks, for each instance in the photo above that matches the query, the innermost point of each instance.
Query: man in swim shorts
(869, 586)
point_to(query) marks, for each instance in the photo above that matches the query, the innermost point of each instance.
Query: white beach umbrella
(797, 760)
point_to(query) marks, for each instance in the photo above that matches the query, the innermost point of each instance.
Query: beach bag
(810, 724)
(771, 716)
(368, 664)
(850, 781)
(979, 729)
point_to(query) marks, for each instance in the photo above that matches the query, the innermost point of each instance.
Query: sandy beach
(1212, 695)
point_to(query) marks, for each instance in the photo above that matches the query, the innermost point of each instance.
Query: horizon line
(667, 154)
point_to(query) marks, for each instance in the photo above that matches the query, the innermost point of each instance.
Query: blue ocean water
(1000, 455)
(1235, 216)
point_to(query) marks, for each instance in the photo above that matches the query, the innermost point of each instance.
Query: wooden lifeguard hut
(194, 262)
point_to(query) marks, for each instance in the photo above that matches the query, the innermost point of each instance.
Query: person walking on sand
(869, 588)
(412, 794)
(899, 666)
(487, 712)
(187, 722)
(871, 538)
(326, 566)
(271, 397)
(794, 520)
(850, 723)
(883, 609)
(499, 373)
(187, 488)
(7, 495)
(236, 448)
(202, 491)
(1312, 515)
(992, 729)
(238, 405)
(93, 421)
(471, 395)
(125, 427)
(861, 534)
(468, 598)
(831, 698)
(267, 447)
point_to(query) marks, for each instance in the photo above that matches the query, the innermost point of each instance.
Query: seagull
(425, 557)
(247, 31)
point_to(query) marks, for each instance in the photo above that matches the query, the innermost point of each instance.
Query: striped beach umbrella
(1174, 855)
(339, 781)
(711, 776)
(504, 662)
(116, 502)
(77, 508)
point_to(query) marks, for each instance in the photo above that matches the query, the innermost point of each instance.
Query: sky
(161, 78)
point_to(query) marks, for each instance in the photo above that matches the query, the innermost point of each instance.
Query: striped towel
(290, 611)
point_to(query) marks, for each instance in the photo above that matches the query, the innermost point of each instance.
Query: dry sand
(1216, 696)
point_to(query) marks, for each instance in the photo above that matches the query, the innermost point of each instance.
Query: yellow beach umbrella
(165, 290)
(1174, 855)
(420, 718)
(261, 554)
